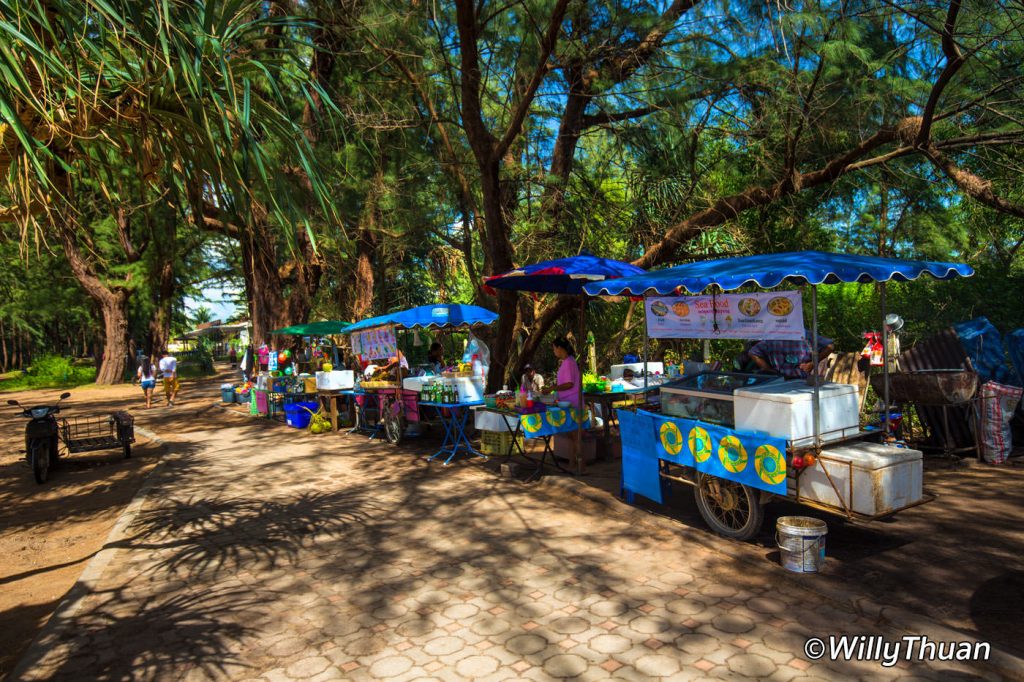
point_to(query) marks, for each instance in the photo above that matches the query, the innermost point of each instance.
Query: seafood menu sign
(777, 315)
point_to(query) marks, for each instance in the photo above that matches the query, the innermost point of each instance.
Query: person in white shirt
(169, 369)
(532, 381)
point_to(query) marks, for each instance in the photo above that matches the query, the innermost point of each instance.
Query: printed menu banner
(763, 315)
(751, 458)
(375, 344)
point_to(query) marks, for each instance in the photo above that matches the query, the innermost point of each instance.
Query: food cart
(743, 440)
(397, 400)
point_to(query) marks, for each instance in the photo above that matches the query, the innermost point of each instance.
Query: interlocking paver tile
(340, 559)
(565, 665)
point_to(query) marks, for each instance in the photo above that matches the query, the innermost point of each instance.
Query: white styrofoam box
(416, 383)
(885, 478)
(471, 389)
(785, 410)
(638, 369)
(485, 420)
(338, 380)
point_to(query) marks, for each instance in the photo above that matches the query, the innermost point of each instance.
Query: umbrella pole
(885, 366)
(816, 405)
(644, 305)
(579, 389)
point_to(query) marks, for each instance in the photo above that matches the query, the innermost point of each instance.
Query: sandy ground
(49, 532)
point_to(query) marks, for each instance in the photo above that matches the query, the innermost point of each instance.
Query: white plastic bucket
(801, 541)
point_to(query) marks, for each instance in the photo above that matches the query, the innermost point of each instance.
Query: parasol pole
(885, 366)
(816, 405)
(579, 393)
(643, 304)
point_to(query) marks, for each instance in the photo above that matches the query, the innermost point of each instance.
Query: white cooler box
(638, 369)
(416, 383)
(338, 380)
(785, 410)
(885, 478)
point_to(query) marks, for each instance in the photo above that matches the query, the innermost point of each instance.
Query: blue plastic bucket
(227, 395)
(296, 416)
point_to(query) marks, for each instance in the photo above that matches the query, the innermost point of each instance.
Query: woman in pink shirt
(568, 382)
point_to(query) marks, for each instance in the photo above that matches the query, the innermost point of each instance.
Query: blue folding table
(454, 423)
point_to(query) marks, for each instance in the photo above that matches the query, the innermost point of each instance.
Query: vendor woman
(435, 357)
(567, 383)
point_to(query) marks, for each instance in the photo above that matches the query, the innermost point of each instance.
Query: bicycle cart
(742, 440)
(397, 401)
(107, 432)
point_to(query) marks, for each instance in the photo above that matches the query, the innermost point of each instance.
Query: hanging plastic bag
(475, 346)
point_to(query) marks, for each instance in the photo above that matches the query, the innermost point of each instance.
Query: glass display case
(709, 396)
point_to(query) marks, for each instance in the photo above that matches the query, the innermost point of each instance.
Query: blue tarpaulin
(1015, 349)
(772, 269)
(984, 346)
(563, 275)
(639, 454)
(441, 315)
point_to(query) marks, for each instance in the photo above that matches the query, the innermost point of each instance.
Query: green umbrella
(325, 328)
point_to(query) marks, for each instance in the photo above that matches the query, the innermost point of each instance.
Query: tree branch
(954, 60)
(974, 186)
(547, 46)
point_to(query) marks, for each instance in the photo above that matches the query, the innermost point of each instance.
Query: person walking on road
(169, 370)
(146, 375)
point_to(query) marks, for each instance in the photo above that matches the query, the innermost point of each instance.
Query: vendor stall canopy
(772, 269)
(439, 316)
(325, 328)
(563, 275)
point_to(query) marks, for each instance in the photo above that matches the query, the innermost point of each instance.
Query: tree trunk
(3, 346)
(362, 288)
(115, 342)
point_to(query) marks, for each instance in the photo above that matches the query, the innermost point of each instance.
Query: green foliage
(50, 371)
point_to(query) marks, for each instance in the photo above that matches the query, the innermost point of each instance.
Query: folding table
(454, 423)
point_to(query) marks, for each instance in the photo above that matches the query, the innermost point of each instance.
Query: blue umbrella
(437, 316)
(565, 276)
(772, 269)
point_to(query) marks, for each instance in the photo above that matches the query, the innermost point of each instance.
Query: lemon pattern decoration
(671, 438)
(700, 444)
(732, 454)
(556, 418)
(770, 464)
(532, 423)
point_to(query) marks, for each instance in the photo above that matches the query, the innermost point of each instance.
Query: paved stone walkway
(265, 554)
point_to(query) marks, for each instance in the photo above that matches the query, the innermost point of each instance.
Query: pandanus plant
(196, 92)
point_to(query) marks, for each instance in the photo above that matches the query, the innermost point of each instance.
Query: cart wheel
(730, 509)
(39, 456)
(394, 426)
